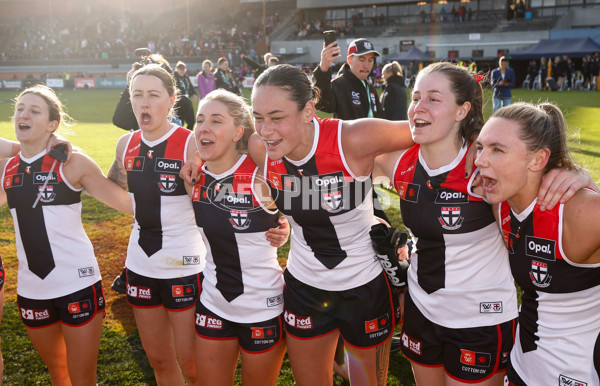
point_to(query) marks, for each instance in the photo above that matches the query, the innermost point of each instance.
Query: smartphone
(329, 37)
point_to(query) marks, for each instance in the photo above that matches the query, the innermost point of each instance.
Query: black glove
(386, 242)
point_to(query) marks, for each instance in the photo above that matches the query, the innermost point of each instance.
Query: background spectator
(503, 79)
(182, 80)
(394, 98)
(206, 79)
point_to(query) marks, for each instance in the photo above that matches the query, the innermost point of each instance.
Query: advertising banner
(85, 83)
(111, 82)
(55, 83)
(248, 82)
(12, 84)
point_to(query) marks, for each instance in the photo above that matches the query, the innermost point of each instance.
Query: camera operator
(124, 117)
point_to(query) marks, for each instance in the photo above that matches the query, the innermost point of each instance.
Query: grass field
(122, 360)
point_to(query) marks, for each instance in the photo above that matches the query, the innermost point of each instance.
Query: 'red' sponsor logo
(301, 322)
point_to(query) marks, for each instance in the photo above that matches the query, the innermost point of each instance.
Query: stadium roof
(574, 48)
(414, 54)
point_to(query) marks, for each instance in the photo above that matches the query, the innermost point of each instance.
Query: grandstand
(48, 38)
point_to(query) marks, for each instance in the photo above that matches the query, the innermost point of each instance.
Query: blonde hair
(239, 111)
(393, 68)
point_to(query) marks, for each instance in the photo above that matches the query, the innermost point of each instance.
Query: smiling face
(151, 104)
(433, 114)
(281, 126)
(505, 163)
(361, 65)
(216, 132)
(32, 119)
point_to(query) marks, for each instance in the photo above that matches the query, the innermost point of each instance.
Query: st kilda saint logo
(239, 219)
(168, 183)
(332, 201)
(47, 193)
(450, 217)
(539, 274)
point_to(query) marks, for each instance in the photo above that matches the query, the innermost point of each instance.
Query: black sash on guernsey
(223, 208)
(149, 177)
(21, 195)
(314, 214)
(322, 239)
(435, 208)
(227, 263)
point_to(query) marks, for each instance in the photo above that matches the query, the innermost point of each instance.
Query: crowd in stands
(111, 37)
(427, 14)
(315, 28)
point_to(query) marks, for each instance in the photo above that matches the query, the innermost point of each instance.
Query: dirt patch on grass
(110, 239)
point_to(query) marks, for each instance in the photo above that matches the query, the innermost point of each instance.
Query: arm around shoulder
(364, 139)
(84, 172)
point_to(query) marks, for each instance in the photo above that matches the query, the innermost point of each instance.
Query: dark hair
(239, 111)
(221, 60)
(291, 79)
(543, 126)
(465, 89)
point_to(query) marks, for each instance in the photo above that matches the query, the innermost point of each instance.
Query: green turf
(122, 360)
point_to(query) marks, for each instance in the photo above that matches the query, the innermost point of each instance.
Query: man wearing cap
(349, 95)
(503, 78)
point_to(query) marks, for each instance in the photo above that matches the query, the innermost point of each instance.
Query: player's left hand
(54, 141)
(559, 185)
(189, 171)
(279, 236)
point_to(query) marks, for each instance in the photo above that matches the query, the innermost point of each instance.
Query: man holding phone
(350, 95)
